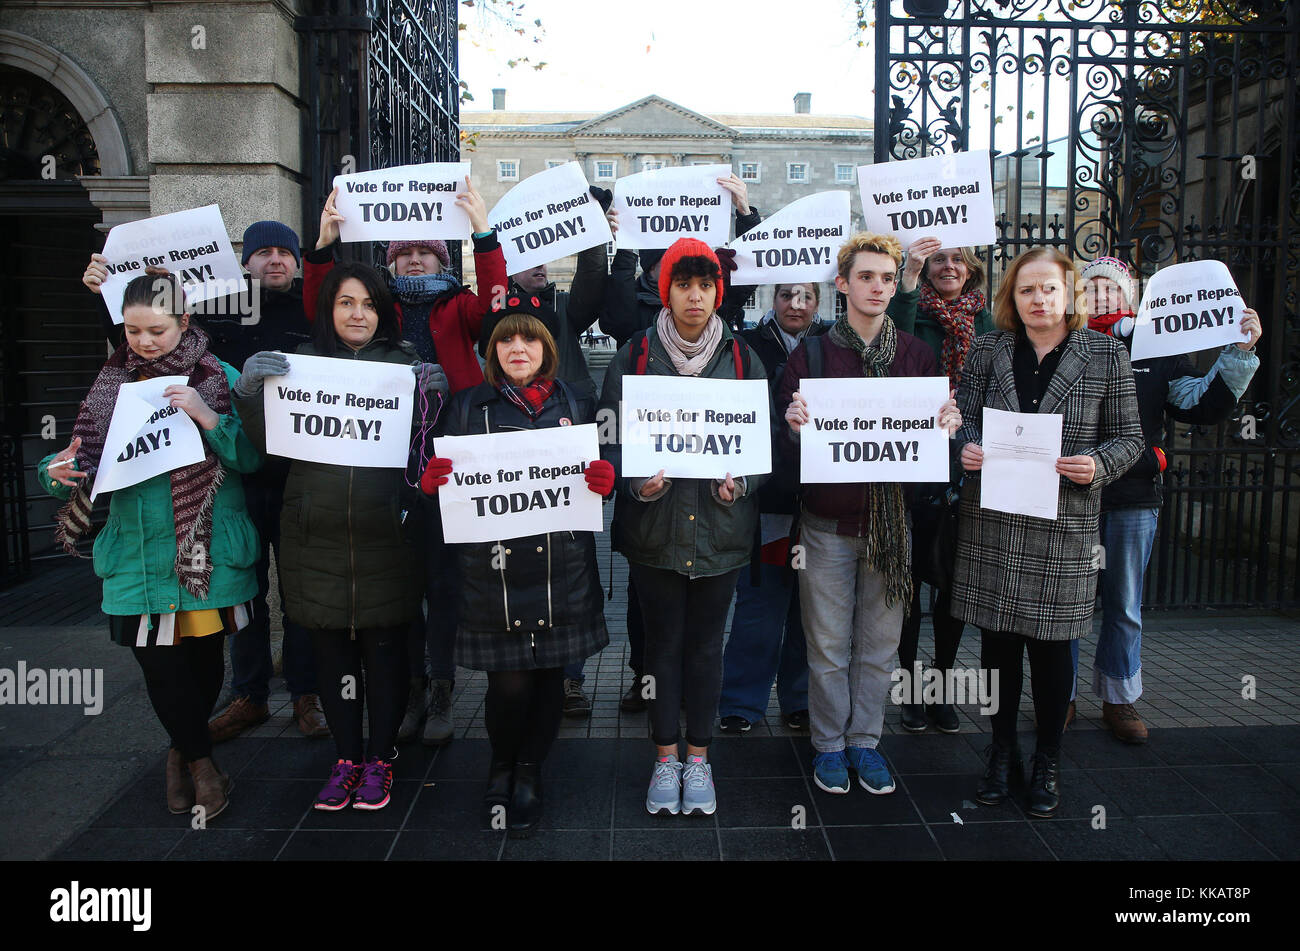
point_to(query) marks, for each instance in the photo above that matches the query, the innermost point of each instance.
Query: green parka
(346, 561)
(135, 551)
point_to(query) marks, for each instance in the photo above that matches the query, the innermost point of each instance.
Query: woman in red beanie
(685, 539)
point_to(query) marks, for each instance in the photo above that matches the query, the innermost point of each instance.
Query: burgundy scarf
(530, 397)
(957, 318)
(194, 487)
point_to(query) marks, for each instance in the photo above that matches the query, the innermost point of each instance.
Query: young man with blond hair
(856, 582)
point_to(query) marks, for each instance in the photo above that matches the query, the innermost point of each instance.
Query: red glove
(600, 477)
(435, 474)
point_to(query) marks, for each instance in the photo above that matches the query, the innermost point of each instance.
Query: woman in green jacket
(685, 539)
(941, 300)
(176, 555)
(349, 571)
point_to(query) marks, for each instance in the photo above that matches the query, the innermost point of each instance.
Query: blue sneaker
(873, 774)
(831, 772)
(665, 793)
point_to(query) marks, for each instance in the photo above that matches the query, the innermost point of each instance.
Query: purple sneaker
(376, 780)
(337, 791)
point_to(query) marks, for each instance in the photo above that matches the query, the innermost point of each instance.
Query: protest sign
(798, 243)
(515, 484)
(342, 412)
(656, 208)
(695, 428)
(1188, 307)
(147, 436)
(874, 430)
(547, 216)
(192, 244)
(405, 203)
(949, 197)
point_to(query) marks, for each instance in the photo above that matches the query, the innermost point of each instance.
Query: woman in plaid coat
(1030, 583)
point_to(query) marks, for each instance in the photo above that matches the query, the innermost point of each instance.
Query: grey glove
(430, 378)
(256, 369)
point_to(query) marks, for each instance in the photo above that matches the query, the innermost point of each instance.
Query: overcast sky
(712, 57)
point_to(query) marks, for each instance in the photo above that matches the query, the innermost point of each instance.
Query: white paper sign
(146, 436)
(656, 208)
(548, 216)
(1019, 470)
(339, 411)
(405, 203)
(1188, 307)
(512, 485)
(695, 429)
(192, 244)
(874, 430)
(949, 197)
(797, 244)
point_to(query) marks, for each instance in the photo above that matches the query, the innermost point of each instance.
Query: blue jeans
(766, 644)
(1127, 536)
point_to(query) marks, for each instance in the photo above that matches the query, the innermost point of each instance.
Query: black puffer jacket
(346, 558)
(539, 605)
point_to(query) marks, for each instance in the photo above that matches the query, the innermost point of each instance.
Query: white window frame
(501, 177)
(651, 164)
(702, 162)
(848, 178)
(612, 176)
(789, 173)
(758, 173)
(556, 162)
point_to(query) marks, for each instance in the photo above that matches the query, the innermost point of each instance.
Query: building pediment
(653, 116)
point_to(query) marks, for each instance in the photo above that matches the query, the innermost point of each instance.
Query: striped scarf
(530, 397)
(888, 539)
(194, 487)
(957, 318)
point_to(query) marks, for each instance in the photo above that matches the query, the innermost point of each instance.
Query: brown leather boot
(1124, 722)
(180, 788)
(211, 787)
(309, 716)
(239, 716)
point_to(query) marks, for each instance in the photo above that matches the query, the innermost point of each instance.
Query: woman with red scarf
(941, 300)
(176, 555)
(531, 605)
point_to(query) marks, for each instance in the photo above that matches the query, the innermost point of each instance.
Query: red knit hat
(439, 249)
(688, 248)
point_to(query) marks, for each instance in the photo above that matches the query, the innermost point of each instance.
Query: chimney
(802, 103)
(498, 100)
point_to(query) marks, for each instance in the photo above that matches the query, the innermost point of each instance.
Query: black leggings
(184, 682)
(522, 713)
(684, 623)
(382, 690)
(1051, 675)
(947, 631)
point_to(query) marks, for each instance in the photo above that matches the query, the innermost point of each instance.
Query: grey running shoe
(665, 793)
(697, 788)
(417, 708)
(438, 728)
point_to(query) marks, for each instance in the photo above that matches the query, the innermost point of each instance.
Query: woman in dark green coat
(941, 300)
(350, 574)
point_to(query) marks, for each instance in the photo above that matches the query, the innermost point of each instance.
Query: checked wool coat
(1032, 576)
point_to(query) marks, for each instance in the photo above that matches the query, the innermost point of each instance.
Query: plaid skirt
(512, 650)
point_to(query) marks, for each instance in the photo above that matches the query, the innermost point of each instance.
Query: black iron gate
(1156, 132)
(379, 79)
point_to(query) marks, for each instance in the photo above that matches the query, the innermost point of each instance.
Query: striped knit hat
(1117, 271)
(439, 249)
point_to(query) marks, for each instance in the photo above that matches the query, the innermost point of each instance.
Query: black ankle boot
(500, 780)
(1045, 786)
(526, 800)
(1004, 767)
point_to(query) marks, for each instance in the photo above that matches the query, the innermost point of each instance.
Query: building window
(843, 173)
(650, 164)
(507, 170)
(605, 170)
(796, 173)
(703, 162)
(555, 162)
(751, 172)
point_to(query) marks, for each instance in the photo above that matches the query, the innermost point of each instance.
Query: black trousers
(947, 631)
(684, 623)
(1051, 672)
(635, 629)
(369, 672)
(522, 712)
(184, 682)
